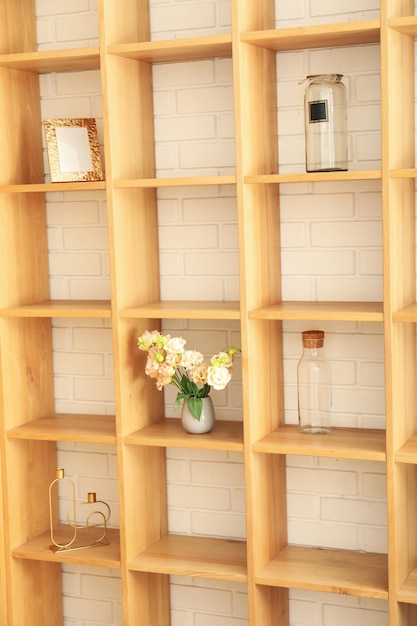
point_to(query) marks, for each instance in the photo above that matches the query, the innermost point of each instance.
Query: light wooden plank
(398, 218)
(53, 61)
(61, 308)
(406, 25)
(191, 309)
(53, 187)
(408, 590)
(318, 36)
(67, 427)
(38, 549)
(183, 181)
(404, 173)
(4, 590)
(313, 177)
(333, 311)
(408, 452)
(333, 571)
(134, 266)
(406, 314)
(168, 432)
(188, 49)
(200, 557)
(345, 443)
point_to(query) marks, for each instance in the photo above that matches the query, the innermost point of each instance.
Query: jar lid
(326, 78)
(313, 338)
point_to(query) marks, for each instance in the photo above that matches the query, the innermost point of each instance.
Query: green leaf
(204, 391)
(180, 396)
(196, 406)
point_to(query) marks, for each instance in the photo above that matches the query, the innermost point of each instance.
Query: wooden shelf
(189, 49)
(168, 432)
(345, 443)
(408, 590)
(187, 181)
(332, 311)
(312, 177)
(53, 187)
(200, 557)
(66, 427)
(61, 308)
(408, 452)
(53, 61)
(38, 549)
(333, 571)
(404, 173)
(406, 25)
(321, 36)
(407, 314)
(184, 309)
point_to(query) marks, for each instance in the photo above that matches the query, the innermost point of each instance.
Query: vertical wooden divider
(398, 151)
(26, 355)
(134, 262)
(260, 262)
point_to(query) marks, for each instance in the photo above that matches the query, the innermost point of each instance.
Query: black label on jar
(318, 111)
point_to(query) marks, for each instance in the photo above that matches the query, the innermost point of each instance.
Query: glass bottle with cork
(314, 385)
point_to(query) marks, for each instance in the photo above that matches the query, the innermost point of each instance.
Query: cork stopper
(313, 338)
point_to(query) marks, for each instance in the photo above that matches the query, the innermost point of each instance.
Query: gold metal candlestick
(88, 535)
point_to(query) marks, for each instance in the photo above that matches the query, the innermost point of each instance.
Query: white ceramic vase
(206, 421)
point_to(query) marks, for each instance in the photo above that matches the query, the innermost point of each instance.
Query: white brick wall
(331, 236)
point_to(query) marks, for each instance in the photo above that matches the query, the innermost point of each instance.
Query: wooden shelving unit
(37, 549)
(323, 36)
(219, 559)
(332, 311)
(59, 427)
(313, 177)
(332, 571)
(61, 308)
(191, 309)
(226, 435)
(146, 553)
(191, 49)
(343, 443)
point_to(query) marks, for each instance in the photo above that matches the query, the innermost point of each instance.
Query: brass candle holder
(91, 533)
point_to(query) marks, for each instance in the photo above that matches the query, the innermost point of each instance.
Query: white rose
(218, 377)
(175, 345)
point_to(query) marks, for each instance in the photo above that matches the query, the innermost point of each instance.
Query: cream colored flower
(198, 374)
(173, 359)
(165, 374)
(152, 365)
(218, 377)
(169, 363)
(174, 345)
(190, 359)
(222, 359)
(148, 339)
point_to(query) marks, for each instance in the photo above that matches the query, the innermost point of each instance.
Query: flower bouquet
(170, 364)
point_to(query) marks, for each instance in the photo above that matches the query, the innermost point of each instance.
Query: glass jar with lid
(325, 123)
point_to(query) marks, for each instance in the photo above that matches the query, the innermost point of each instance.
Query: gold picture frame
(73, 149)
